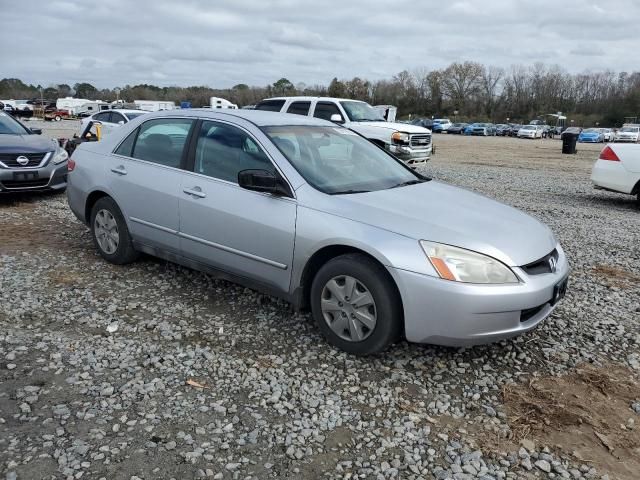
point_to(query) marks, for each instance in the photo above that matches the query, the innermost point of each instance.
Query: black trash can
(569, 141)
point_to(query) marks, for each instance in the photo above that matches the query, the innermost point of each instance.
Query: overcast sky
(223, 42)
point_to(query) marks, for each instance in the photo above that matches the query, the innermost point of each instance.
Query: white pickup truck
(618, 169)
(410, 143)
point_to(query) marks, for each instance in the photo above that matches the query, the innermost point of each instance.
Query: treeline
(466, 91)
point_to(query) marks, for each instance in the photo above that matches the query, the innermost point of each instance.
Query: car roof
(260, 118)
(333, 99)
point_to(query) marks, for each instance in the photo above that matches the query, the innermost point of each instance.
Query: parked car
(29, 161)
(436, 127)
(481, 129)
(410, 143)
(232, 193)
(629, 133)
(502, 129)
(444, 123)
(111, 119)
(457, 128)
(530, 131)
(423, 122)
(618, 169)
(591, 135)
(515, 128)
(608, 133)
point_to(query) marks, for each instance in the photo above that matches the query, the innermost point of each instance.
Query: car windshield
(336, 160)
(630, 129)
(591, 130)
(458, 125)
(361, 112)
(529, 127)
(9, 126)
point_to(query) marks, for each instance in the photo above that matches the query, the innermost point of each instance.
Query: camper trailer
(217, 102)
(154, 105)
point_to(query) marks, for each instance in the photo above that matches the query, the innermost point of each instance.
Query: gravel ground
(155, 371)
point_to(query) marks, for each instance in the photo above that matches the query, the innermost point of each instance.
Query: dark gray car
(28, 161)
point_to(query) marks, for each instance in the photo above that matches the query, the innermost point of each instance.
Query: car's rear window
(270, 105)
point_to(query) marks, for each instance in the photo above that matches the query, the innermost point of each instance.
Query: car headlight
(400, 137)
(60, 155)
(460, 265)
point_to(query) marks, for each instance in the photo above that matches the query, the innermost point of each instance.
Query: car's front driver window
(222, 151)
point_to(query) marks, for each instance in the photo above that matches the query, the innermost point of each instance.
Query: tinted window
(324, 110)
(299, 108)
(126, 146)
(117, 117)
(270, 105)
(162, 141)
(103, 117)
(222, 151)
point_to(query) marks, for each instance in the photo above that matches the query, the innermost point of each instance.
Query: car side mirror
(262, 181)
(121, 122)
(337, 118)
(36, 131)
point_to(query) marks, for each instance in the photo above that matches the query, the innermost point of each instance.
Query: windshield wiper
(409, 182)
(344, 192)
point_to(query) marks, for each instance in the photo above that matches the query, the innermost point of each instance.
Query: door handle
(119, 170)
(195, 192)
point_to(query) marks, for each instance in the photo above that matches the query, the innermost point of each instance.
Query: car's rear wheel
(57, 118)
(356, 305)
(110, 233)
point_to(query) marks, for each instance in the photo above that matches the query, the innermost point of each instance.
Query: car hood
(442, 213)
(402, 127)
(25, 144)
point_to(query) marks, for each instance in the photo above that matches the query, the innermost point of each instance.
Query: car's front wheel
(356, 305)
(110, 233)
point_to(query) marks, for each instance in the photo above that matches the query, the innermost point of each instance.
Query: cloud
(221, 43)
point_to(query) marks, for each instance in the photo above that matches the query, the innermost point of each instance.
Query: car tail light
(71, 164)
(608, 154)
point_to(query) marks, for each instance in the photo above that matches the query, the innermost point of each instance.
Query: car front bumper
(613, 176)
(49, 177)
(449, 313)
(626, 139)
(411, 155)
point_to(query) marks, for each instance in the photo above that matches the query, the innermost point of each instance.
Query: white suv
(410, 143)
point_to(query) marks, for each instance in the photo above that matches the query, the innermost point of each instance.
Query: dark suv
(28, 161)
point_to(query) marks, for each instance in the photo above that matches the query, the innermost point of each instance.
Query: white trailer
(217, 102)
(154, 105)
(387, 111)
(70, 103)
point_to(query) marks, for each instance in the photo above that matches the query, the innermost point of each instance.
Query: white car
(618, 169)
(609, 134)
(530, 131)
(629, 133)
(444, 122)
(110, 119)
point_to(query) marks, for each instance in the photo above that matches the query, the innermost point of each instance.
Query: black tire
(388, 306)
(57, 118)
(124, 253)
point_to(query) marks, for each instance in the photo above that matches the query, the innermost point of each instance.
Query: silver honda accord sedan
(312, 212)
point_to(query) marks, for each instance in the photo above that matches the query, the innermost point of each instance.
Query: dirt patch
(616, 277)
(587, 412)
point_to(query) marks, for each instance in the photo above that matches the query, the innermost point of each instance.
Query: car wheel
(110, 233)
(57, 118)
(355, 305)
